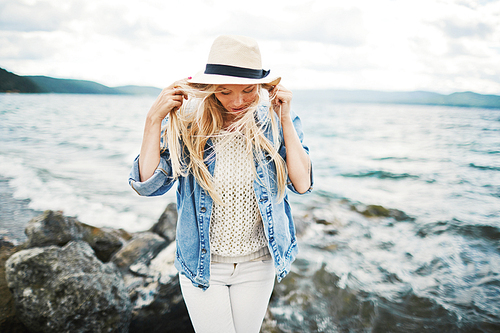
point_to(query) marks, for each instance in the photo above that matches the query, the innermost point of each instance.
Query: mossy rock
(376, 210)
(381, 211)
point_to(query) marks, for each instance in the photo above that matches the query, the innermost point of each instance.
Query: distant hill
(463, 99)
(66, 86)
(10, 82)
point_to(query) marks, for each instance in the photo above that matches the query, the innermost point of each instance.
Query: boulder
(53, 228)
(139, 251)
(68, 290)
(167, 223)
(155, 293)
(8, 319)
(104, 241)
(147, 266)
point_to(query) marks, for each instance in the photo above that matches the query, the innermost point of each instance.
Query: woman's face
(237, 97)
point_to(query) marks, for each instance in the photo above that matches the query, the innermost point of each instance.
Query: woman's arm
(169, 100)
(297, 160)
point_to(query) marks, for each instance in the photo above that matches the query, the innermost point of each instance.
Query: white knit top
(236, 230)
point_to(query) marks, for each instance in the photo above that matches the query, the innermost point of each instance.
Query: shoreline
(14, 213)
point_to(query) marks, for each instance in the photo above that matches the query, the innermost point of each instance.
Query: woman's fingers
(170, 99)
(179, 92)
(177, 100)
(177, 84)
(283, 95)
(281, 99)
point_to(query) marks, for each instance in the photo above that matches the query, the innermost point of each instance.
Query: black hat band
(236, 71)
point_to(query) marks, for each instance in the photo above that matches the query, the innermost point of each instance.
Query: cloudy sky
(434, 45)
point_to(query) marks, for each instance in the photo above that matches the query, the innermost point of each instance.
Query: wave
(42, 190)
(475, 231)
(380, 175)
(487, 232)
(391, 158)
(313, 299)
(14, 213)
(484, 167)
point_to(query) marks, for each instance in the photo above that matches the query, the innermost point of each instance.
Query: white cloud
(331, 25)
(436, 45)
(457, 29)
(38, 16)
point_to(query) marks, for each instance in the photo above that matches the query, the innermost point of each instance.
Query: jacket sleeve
(159, 183)
(298, 128)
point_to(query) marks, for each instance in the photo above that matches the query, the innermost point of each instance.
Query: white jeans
(235, 302)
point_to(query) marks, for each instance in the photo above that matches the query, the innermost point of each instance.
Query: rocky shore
(72, 277)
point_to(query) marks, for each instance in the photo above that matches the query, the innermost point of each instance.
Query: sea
(436, 269)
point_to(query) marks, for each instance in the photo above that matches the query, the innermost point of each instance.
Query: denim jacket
(194, 207)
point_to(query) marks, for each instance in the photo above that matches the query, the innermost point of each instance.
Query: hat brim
(203, 78)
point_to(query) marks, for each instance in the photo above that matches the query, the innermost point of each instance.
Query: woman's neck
(229, 121)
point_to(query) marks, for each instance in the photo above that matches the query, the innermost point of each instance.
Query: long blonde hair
(202, 117)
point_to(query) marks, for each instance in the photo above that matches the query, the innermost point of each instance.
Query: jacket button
(203, 209)
(203, 251)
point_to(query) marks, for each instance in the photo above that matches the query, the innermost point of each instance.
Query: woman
(233, 145)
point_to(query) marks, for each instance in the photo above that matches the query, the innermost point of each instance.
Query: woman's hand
(281, 101)
(297, 160)
(169, 100)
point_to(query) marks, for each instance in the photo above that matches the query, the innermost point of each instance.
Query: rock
(375, 210)
(324, 216)
(151, 279)
(50, 228)
(104, 241)
(330, 215)
(331, 231)
(312, 299)
(53, 228)
(67, 290)
(8, 319)
(380, 211)
(139, 251)
(167, 223)
(157, 301)
(400, 215)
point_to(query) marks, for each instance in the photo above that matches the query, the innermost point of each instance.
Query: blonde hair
(202, 117)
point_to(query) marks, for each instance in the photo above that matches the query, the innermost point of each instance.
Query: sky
(442, 46)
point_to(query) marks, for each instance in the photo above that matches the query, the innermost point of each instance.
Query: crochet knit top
(236, 229)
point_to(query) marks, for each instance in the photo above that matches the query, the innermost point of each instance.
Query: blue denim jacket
(194, 207)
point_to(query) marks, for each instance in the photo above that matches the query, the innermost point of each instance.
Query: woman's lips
(237, 110)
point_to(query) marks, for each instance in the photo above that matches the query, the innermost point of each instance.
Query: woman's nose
(238, 101)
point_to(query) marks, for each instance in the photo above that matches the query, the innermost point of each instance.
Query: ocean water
(436, 271)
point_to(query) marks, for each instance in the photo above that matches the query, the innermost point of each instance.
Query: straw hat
(234, 60)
